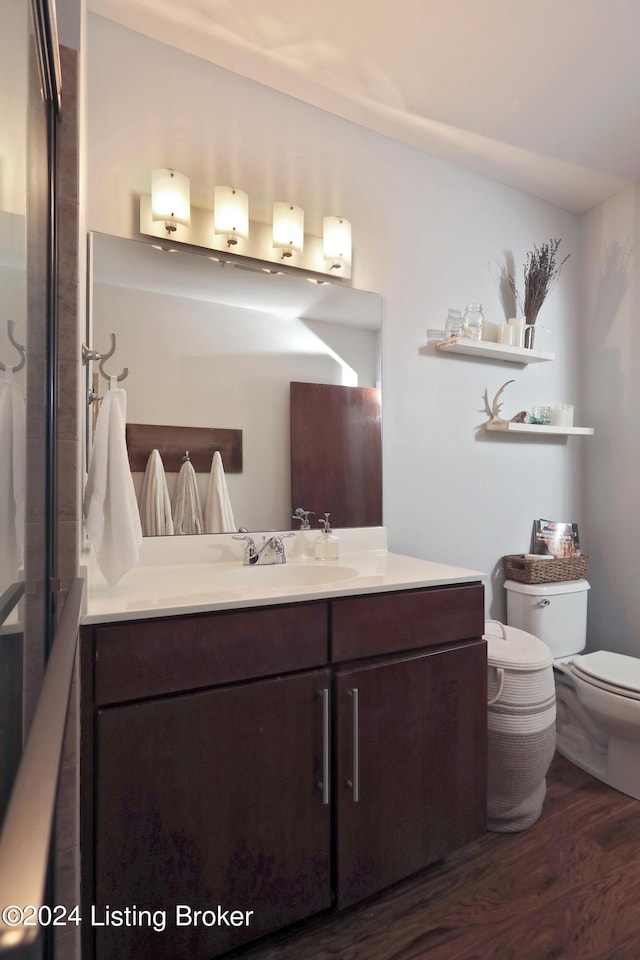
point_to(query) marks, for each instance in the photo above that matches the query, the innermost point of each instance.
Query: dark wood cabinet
(263, 765)
(411, 768)
(387, 623)
(212, 802)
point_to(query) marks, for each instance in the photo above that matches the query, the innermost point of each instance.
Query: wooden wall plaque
(172, 443)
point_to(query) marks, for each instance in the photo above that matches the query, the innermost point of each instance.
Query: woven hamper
(521, 726)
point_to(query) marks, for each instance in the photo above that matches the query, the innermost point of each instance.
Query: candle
(518, 325)
(505, 333)
(562, 415)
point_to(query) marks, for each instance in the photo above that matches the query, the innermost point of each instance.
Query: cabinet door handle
(324, 785)
(354, 783)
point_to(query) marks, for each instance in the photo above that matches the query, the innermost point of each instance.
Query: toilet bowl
(598, 719)
(597, 694)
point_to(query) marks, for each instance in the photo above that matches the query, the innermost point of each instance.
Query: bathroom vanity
(266, 758)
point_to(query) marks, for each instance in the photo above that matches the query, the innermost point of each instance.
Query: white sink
(284, 575)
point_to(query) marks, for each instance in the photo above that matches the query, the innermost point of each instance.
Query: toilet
(597, 694)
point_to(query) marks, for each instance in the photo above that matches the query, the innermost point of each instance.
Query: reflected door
(336, 452)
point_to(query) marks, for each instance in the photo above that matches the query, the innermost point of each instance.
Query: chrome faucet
(272, 549)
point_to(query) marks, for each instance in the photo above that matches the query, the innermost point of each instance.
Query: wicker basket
(533, 570)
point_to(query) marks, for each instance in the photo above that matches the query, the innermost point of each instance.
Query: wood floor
(568, 888)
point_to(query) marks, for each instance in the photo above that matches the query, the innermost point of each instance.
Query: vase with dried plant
(541, 272)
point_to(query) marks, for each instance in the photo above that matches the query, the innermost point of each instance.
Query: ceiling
(541, 96)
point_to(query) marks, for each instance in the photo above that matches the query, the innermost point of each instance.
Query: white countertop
(179, 575)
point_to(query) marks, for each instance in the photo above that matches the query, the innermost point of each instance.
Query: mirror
(28, 119)
(14, 48)
(210, 343)
(13, 309)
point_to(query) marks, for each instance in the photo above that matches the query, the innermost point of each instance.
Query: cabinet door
(411, 765)
(212, 801)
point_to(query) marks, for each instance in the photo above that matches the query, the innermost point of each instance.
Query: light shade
(170, 198)
(231, 213)
(288, 228)
(336, 241)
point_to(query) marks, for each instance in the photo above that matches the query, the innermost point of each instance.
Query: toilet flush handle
(543, 601)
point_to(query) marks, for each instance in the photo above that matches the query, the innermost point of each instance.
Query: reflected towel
(218, 514)
(155, 505)
(187, 514)
(110, 506)
(12, 479)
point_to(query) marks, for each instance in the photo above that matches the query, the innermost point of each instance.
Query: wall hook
(19, 347)
(88, 354)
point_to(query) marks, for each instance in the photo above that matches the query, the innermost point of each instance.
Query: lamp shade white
(336, 241)
(170, 198)
(231, 213)
(288, 228)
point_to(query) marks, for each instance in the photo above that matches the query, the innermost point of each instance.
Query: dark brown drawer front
(148, 658)
(390, 622)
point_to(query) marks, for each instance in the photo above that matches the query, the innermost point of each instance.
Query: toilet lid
(612, 671)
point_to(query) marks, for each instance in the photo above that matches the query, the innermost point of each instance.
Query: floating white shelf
(546, 429)
(502, 351)
(492, 351)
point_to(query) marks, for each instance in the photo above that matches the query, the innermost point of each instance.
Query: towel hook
(19, 347)
(88, 354)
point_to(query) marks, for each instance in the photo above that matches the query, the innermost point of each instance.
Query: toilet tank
(556, 613)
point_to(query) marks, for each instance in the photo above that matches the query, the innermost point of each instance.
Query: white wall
(609, 329)
(426, 235)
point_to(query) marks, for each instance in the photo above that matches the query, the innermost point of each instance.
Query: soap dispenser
(326, 547)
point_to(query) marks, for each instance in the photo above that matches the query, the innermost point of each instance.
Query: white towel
(12, 480)
(155, 505)
(187, 514)
(218, 514)
(110, 506)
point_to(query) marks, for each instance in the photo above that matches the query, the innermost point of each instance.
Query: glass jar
(473, 321)
(453, 325)
(540, 415)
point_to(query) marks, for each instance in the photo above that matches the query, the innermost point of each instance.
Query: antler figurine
(497, 407)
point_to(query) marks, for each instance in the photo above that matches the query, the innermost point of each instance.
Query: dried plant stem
(541, 273)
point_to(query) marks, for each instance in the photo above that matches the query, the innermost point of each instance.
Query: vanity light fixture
(225, 230)
(231, 214)
(336, 242)
(170, 199)
(288, 228)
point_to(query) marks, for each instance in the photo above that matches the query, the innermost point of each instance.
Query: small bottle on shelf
(473, 321)
(453, 325)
